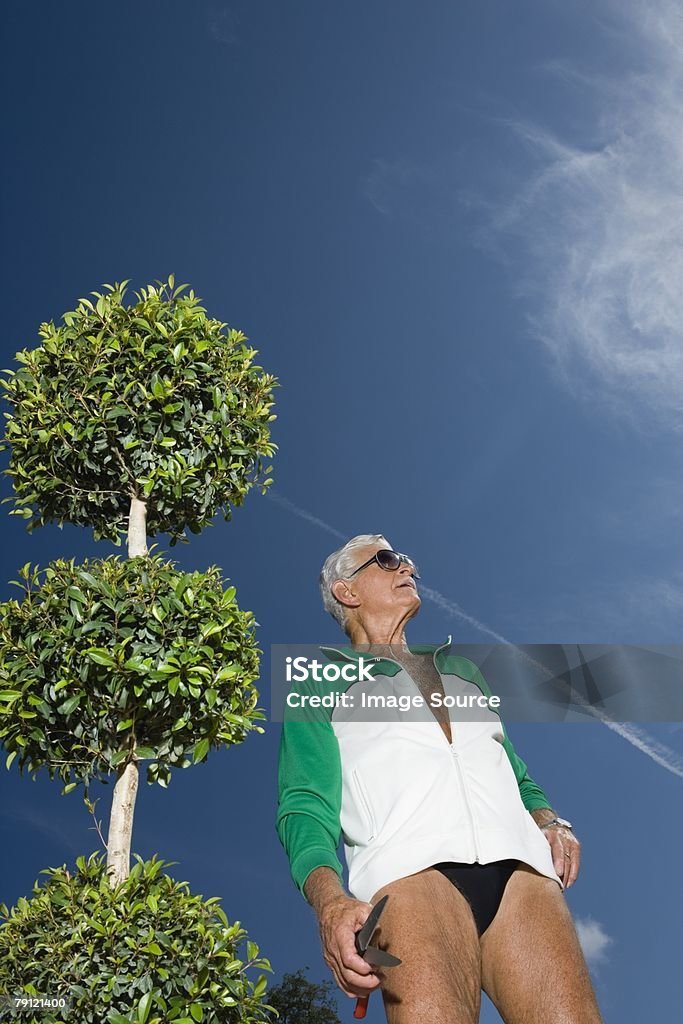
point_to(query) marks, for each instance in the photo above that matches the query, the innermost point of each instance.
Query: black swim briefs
(482, 885)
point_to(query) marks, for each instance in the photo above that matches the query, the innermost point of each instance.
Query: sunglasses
(389, 560)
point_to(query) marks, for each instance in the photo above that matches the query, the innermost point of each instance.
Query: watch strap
(557, 821)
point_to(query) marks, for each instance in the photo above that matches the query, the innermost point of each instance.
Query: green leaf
(68, 706)
(213, 627)
(200, 751)
(152, 947)
(144, 753)
(135, 664)
(101, 657)
(144, 1006)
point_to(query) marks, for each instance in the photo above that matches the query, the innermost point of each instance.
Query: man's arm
(322, 887)
(565, 847)
(309, 783)
(339, 918)
(309, 790)
(533, 797)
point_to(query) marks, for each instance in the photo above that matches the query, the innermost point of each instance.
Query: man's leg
(533, 968)
(429, 925)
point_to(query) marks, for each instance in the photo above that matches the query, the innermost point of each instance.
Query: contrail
(303, 514)
(658, 752)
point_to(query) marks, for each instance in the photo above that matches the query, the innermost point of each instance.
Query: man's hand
(339, 920)
(340, 917)
(566, 850)
(565, 847)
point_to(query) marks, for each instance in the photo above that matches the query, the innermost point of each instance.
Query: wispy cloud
(223, 22)
(662, 755)
(602, 222)
(634, 608)
(594, 940)
(388, 181)
(646, 509)
(419, 192)
(25, 815)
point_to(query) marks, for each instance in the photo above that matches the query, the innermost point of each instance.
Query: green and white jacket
(398, 793)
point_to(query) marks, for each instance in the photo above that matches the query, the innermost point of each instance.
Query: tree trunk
(126, 788)
(137, 527)
(121, 824)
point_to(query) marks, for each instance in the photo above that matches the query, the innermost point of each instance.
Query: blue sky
(454, 234)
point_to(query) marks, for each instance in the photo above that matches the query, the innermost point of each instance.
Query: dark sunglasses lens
(388, 559)
(411, 563)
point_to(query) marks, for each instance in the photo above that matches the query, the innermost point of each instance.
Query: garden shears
(372, 954)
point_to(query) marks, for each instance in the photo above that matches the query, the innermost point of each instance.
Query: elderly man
(440, 813)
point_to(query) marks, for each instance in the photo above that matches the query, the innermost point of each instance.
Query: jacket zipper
(456, 762)
(454, 753)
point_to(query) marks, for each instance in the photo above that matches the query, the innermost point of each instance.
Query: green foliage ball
(152, 399)
(112, 660)
(147, 952)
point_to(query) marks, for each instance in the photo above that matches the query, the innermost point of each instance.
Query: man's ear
(342, 592)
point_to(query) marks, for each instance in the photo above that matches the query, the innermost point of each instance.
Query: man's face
(378, 590)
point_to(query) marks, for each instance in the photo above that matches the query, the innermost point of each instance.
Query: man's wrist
(322, 886)
(546, 818)
(543, 815)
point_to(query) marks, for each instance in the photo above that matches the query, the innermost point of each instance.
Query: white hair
(338, 565)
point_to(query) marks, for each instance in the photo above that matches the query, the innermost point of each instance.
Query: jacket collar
(387, 666)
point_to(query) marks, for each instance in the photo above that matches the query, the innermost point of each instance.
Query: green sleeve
(531, 793)
(309, 795)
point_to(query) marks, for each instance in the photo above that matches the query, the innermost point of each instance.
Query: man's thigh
(533, 968)
(429, 925)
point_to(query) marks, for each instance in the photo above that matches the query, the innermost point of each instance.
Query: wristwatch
(557, 821)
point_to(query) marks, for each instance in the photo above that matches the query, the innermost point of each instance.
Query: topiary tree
(147, 418)
(111, 663)
(154, 411)
(148, 951)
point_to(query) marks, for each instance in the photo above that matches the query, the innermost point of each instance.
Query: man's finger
(574, 865)
(355, 969)
(351, 958)
(352, 983)
(360, 986)
(559, 859)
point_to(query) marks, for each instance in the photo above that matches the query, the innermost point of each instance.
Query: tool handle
(361, 1007)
